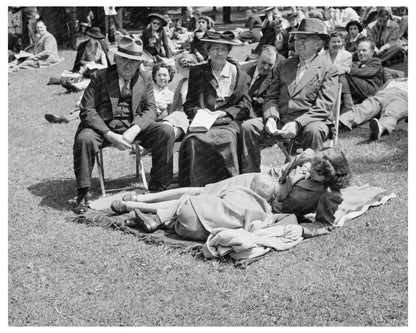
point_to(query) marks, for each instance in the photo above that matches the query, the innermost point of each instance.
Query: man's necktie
(125, 90)
(255, 86)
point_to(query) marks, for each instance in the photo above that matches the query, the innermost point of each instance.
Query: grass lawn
(66, 274)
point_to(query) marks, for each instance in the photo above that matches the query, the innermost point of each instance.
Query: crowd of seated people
(287, 92)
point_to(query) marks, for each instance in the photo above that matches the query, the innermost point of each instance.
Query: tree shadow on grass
(61, 193)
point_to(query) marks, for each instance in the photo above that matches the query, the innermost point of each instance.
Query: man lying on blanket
(309, 183)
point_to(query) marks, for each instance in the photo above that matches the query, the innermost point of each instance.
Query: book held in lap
(202, 121)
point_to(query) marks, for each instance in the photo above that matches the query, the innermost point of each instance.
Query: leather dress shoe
(82, 203)
(69, 86)
(119, 207)
(148, 223)
(55, 119)
(376, 129)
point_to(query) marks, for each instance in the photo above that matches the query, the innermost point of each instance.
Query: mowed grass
(66, 274)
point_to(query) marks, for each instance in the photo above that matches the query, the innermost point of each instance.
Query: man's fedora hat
(227, 37)
(131, 48)
(312, 26)
(162, 20)
(356, 23)
(95, 32)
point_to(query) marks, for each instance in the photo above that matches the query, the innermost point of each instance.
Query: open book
(202, 121)
(23, 54)
(92, 66)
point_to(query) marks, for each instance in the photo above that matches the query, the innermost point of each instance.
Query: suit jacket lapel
(138, 86)
(309, 74)
(113, 89)
(290, 70)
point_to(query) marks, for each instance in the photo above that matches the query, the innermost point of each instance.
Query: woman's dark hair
(332, 164)
(160, 65)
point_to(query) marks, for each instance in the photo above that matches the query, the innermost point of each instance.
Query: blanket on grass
(242, 245)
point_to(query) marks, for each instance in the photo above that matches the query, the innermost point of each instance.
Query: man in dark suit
(117, 107)
(261, 77)
(363, 78)
(299, 100)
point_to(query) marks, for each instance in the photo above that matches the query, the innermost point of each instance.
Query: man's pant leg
(86, 144)
(160, 138)
(393, 109)
(314, 134)
(360, 113)
(251, 135)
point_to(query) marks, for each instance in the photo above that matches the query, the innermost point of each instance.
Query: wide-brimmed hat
(312, 26)
(131, 48)
(152, 16)
(95, 32)
(226, 37)
(357, 23)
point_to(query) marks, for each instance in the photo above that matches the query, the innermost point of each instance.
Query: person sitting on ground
(311, 182)
(336, 53)
(299, 101)
(220, 88)
(91, 52)
(155, 40)
(268, 29)
(117, 107)
(187, 22)
(385, 34)
(354, 35)
(252, 29)
(384, 110)
(363, 78)
(45, 51)
(197, 46)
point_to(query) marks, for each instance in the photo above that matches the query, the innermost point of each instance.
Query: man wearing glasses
(117, 107)
(299, 101)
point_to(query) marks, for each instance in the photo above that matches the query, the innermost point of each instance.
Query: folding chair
(140, 173)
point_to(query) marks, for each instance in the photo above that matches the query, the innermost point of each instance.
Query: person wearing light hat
(92, 51)
(155, 39)
(117, 107)
(299, 101)
(220, 88)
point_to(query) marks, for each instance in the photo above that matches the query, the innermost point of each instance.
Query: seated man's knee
(85, 136)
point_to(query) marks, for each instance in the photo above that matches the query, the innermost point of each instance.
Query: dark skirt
(208, 157)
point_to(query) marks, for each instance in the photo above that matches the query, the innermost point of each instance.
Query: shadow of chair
(140, 172)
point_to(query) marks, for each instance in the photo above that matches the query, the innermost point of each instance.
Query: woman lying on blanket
(309, 183)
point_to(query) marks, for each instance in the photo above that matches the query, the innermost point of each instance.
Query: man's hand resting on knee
(117, 140)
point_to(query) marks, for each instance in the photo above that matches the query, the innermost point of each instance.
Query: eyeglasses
(303, 39)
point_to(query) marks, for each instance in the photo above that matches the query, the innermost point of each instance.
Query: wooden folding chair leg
(100, 167)
(140, 168)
